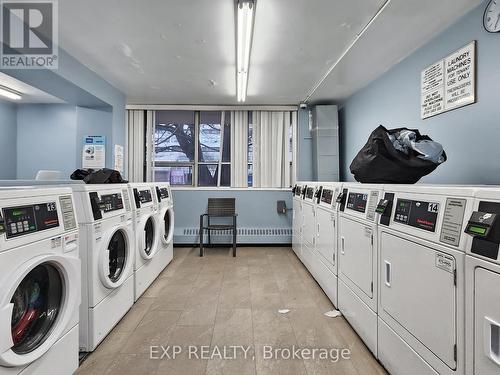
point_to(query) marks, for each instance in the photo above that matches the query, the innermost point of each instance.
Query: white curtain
(271, 137)
(239, 149)
(140, 127)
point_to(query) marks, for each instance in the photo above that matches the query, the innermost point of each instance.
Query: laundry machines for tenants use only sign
(449, 83)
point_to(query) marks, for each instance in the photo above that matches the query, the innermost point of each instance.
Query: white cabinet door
(486, 322)
(417, 289)
(356, 254)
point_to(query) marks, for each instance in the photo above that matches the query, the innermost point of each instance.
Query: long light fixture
(9, 93)
(245, 11)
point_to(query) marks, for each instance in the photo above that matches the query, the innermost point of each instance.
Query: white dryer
(421, 276)
(483, 285)
(147, 236)
(39, 282)
(297, 219)
(357, 259)
(325, 264)
(107, 250)
(166, 220)
(308, 229)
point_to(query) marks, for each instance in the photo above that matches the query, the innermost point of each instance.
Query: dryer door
(115, 259)
(326, 235)
(486, 322)
(43, 297)
(167, 218)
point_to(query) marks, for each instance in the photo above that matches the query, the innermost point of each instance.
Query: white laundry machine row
(482, 265)
(107, 253)
(39, 282)
(166, 220)
(357, 258)
(421, 278)
(297, 218)
(147, 236)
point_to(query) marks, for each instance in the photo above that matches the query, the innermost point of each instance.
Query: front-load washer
(482, 285)
(107, 251)
(166, 220)
(357, 259)
(39, 282)
(325, 260)
(309, 202)
(297, 219)
(421, 278)
(147, 234)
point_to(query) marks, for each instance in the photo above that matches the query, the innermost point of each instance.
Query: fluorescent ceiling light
(9, 93)
(245, 13)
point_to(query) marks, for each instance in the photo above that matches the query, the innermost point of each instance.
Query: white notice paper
(119, 158)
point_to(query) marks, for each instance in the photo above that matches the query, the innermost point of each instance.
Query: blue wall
(94, 122)
(255, 208)
(8, 139)
(470, 135)
(46, 139)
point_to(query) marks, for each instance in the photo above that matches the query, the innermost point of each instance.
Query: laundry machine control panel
(142, 196)
(357, 202)
(418, 214)
(327, 196)
(484, 227)
(162, 193)
(309, 194)
(22, 220)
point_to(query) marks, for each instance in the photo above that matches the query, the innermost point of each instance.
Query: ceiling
(28, 93)
(183, 51)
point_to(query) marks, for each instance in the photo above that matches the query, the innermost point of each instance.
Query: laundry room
(249, 187)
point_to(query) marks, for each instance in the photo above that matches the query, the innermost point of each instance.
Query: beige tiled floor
(219, 300)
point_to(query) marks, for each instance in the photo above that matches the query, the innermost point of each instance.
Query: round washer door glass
(149, 233)
(37, 302)
(117, 255)
(166, 219)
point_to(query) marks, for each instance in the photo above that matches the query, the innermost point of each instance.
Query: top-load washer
(297, 219)
(325, 264)
(421, 276)
(308, 229)
(147, 234)
(107, 251)
(357, 258)
(483, 285)
(166, 219)
(39, 282)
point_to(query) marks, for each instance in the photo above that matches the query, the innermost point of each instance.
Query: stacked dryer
(421, 300)
(483, 285)
(39, 281)
(357, 259)
(107, 252)
(166, 222)
(147, 236)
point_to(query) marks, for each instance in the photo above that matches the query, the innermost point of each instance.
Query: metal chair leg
(234, 236)
(201, 236)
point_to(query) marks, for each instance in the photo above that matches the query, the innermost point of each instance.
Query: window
(193, 148)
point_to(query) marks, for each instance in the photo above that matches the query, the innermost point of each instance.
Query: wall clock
(491, 19)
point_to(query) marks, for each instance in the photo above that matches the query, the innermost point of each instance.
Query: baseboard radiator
(244, 235)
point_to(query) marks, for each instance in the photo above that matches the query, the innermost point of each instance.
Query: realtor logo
(29, 34)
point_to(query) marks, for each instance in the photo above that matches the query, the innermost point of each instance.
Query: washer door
(40, 304)
(115, 258)
(168, 225)
(148, 237)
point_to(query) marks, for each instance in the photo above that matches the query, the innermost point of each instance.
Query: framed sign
(449, 83)
(94, 152)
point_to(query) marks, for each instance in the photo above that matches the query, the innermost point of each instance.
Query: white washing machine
(147, 236)
(421, 276)
(166, 220)
(308, 229)
(297, 219)
(39, 282)
(107, 250)
(325, 264)
(357, 259)
(483, 285)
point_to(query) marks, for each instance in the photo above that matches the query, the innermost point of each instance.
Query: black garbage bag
(379, 161)
(101, 176)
